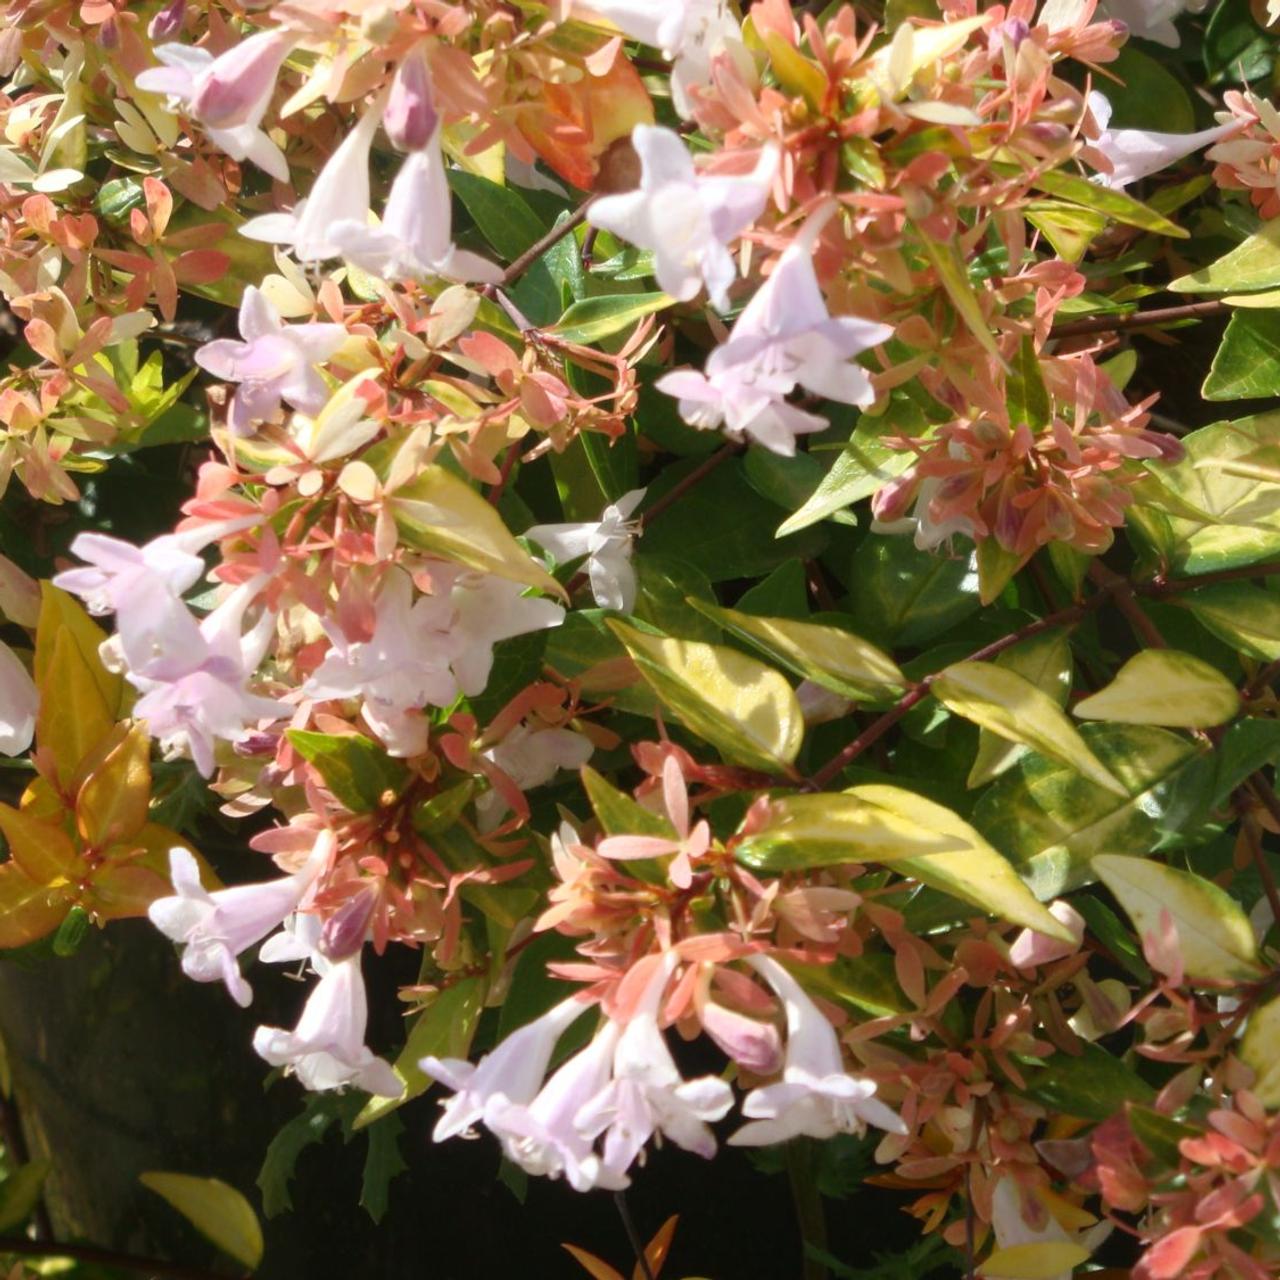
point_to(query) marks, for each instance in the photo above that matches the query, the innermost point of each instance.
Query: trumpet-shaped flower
(648, 1095)
(326, 1050)
(687, 219)
(275, 362)
(415, 238)
(1137, 153)
(19, 702)
(511, 1074)
(227, 95)
(1153, 19)
(784, 338)
(215, 927)
(816, 1096)
(606, 543)
(340, 194)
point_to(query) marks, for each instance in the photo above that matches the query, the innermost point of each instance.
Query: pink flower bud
(410, 117)
(168, 22)
(237, 84)
(344, 931)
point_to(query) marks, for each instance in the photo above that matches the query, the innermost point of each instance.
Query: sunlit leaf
(1164, 687)
(1260, 1049)
(1043, 1260)
(217, 1211)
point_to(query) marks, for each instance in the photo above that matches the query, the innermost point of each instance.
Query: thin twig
(637, 1246)
(1139, 319)
(1271, 802)
(550, 240)
(1127, 604)
(105, 1257)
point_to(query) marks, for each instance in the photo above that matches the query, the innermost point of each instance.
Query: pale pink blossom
(1153, 19)
(816, 1096)
(784, 338)
(275, 362)
(410, 119)
(530, 757)
(228, 95)
(19, 703)
(1030, 948)
(511, 1074)
(215, 927)
(326, 1050)
(606, 543)
(687, 219)
(1137, 153)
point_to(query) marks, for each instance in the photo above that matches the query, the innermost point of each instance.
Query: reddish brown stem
(1138, 319)
(550, 240)
(104, 1257)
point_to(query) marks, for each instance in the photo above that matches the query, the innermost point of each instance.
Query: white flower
(530, 758)
(275, 362)
(607, 545)
(816, 1096)
(1153, 19)
(1137, 153)
(687, 219)
(326, 1050)
(227, 95)
(489, 609)
(1019, 1217)
(648, 1095)
(19, 703)
(784, 337)
(339, 194)
(415, 238)
(512, 1073)
(214, 928)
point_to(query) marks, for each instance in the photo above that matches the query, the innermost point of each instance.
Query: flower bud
(410, 117)
(167, 24)
(238, 83)
(344, 932)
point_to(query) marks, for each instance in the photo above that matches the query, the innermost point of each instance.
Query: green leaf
(381, 1164)
(618, 813)
(836, 659)
(283, 1150)
(1025, 393)
(1260, 1049)
(1215, 939)
(1253, 264)
(1044, 660)
(1164, 687)
(857, 473)
(743, 708)
(439, 513)
(1245, 616)
(591, 319)
(219, 1212)
(1115, 204)
(442, 1030)
(1010, 705)
(805, 831)
(1094, 1085)
(1239, 520)
(354, 768)
(954, 276)
(901, 595)
(20, 1193)
(1149, 96)
(1050, 820)
(667, 591)
(1247, 364)
(1235, 47)
(517, 663)
(1040, 1260)
(1159, 1133)
(868, 982)
(976, 873)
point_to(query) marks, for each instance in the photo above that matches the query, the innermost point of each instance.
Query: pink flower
(19, 703)
(410, 118)
(214, 928)
(326, 1050)
(606, 543)
(415, 238)
(511, 1074)
(816, 1096)
(784, 337)
(686, 218)
(1137, 153)
(275, 362)
(227, 95)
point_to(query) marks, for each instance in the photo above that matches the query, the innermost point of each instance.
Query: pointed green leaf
(954, 277)
(1247, 363)
(1115, 204)
(219, 1212)
(591, 319)
(1260, 1048)
(1164, 687)
(1251, 265)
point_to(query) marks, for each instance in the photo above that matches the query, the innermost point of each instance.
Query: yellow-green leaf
(954, 277)
(1253, 264)
(590, 319)
(28, 910)
(836, 659)
(746, 710)
(1010, 705)
(827, 830)
(1214, 936)
(439, 513)
(1045, 660)
(975, 872)
(112, 802)
(219, 1212)
(59, 614)
(43, 851)
(74, 715)
(1260, 1048)
(1114, 204)
(1042, 1260)
(795, 72)
(1164, 687)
